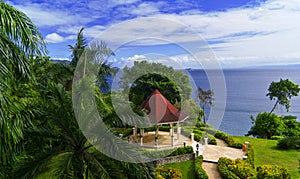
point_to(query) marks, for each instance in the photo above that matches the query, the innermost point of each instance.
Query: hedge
(250, 155)
(182, 151)
(124, 131)
(228, 139)
(163, 172)
(223, 164)
(198, 135)
(168, 152)
(291, 142)
(272, 172)
(199, 171)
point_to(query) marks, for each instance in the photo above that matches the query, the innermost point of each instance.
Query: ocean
(246, 91)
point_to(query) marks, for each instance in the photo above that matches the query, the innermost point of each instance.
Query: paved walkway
(211, 170)
(211, 153)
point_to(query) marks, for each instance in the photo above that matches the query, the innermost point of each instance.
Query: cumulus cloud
(145, 9)
(44, 17)
(56, 38)
(137, 58)
(245, 35)
(268, 31)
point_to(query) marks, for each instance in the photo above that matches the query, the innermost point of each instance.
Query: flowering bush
(167, 173)
(272, 171)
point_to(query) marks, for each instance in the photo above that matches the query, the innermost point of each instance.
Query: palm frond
(17, 26)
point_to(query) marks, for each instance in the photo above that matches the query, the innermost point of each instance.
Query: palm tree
(78, 48)
(68, 153)
(95, 54)
(19, 39)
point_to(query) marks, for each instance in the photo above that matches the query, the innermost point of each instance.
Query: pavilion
(160, 111)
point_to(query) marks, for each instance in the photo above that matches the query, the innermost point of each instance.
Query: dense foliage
(266, 125)
(167, 173)
(282, 92)
(199, 135)
(228, 139)
(173, 84)
(290, 142)
(234, 169)
(199, 171)
(270, 126)
(272, 171)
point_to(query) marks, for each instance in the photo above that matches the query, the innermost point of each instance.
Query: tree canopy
(173, 84)
(19, 41)
(266, 125)
(206, 99)
(282, 92)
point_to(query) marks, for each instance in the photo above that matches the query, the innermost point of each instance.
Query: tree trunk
(204, 116)
(274, 106)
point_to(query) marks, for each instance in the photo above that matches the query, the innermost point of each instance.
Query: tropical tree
(68, 153)
(173, 84)
(19, 39)
(95, 53)
(206, 98)
(266, 125)
(78, 48)
(282, 92)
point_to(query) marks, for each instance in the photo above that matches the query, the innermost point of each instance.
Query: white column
(156, 136)
(142, 135)
(172, 134)
(178, 131)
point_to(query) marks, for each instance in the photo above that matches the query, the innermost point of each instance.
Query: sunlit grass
(265, 152)
(187, 168)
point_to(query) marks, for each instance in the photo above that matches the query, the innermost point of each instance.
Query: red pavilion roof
(160, 110)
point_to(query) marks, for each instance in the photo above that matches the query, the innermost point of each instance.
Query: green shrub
(250, 155)
(163, 172)
(200, 172)
(241, 168)
(165, 128)
(182, 151)
(124, 131)
(209, 130)
(223, 164)
(272, 172)
(228, 139)
(233, 169)
(276, 137)
(289, 143)
(198, 135)
(266, 125)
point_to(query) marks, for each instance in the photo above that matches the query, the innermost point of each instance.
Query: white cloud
(50, 17)
(60, 59)
(270, 32)
(145, 9)
(137, 58)
(56, 38)
(122, 2)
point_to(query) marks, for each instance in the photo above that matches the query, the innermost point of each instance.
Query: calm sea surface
(246, 95)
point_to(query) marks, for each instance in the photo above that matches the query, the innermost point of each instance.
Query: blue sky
(239, 32)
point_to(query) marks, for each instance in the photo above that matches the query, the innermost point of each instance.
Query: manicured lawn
(265, 152)
(187, 168)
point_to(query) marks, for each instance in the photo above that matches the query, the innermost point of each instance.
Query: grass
(187, 168)
(265, 152)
